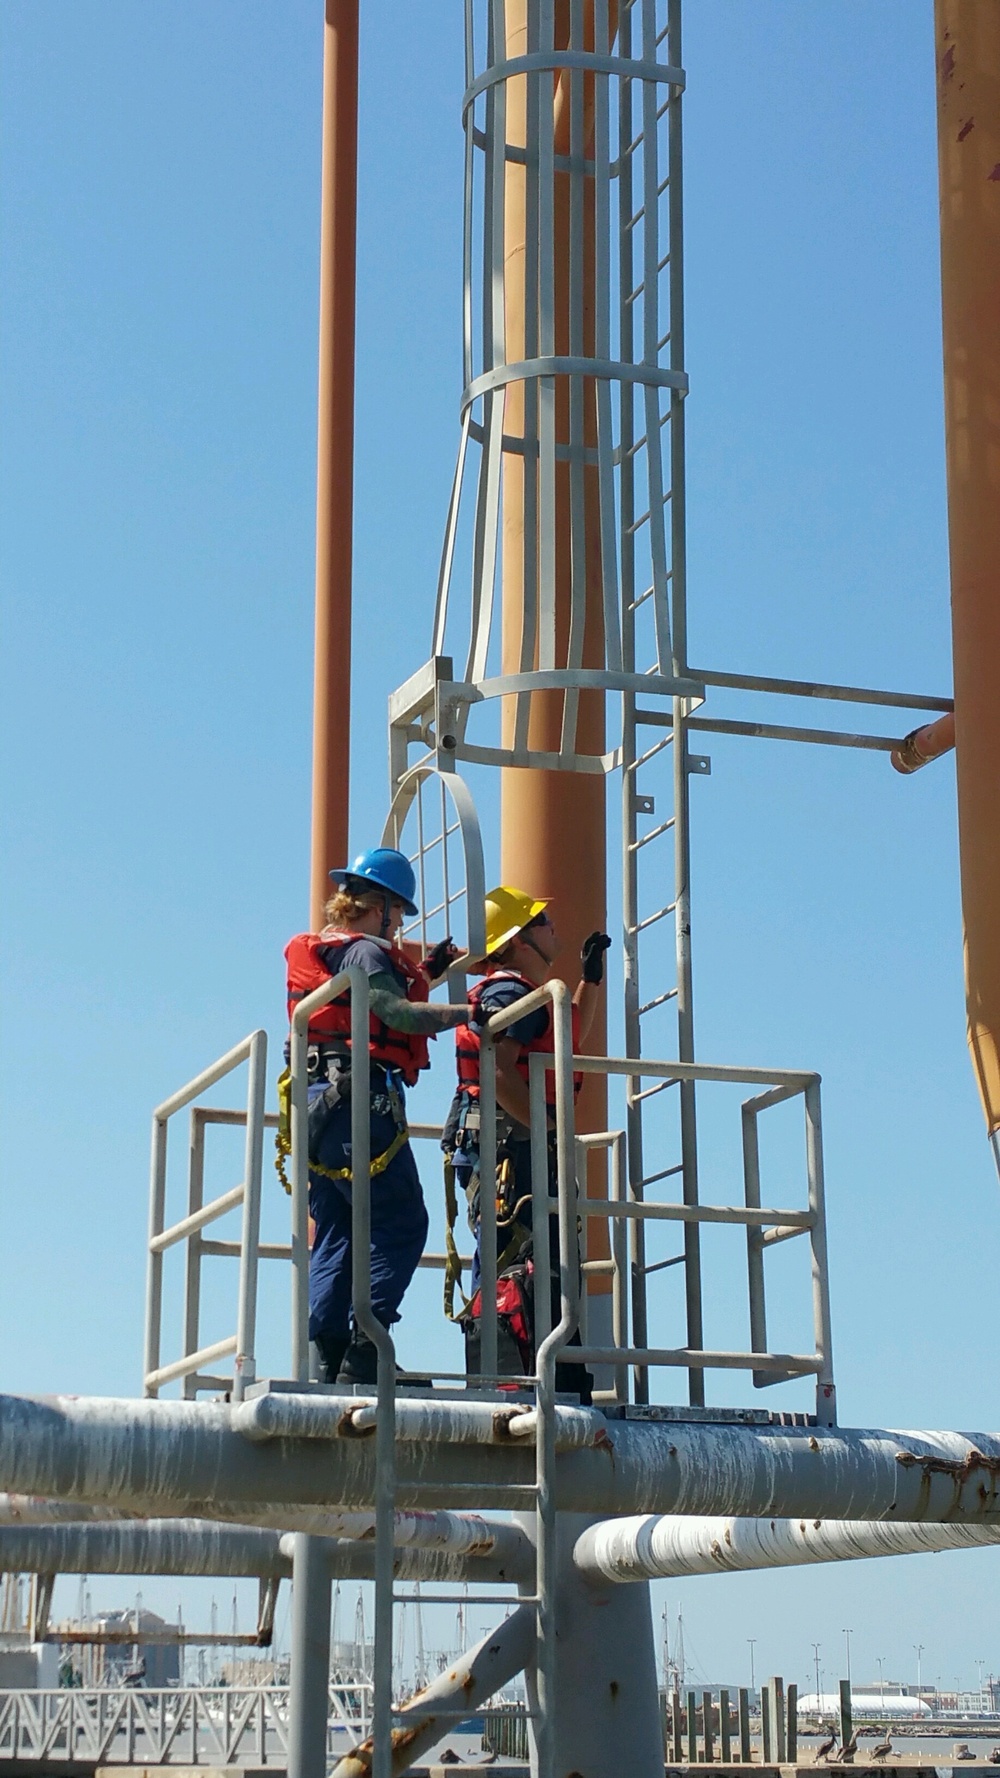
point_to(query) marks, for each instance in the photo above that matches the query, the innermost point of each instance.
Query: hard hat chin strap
(386, 914)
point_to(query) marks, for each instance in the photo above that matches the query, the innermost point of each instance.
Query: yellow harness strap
(283, 1142)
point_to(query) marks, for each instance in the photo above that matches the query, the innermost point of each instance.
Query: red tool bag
(515, 1323)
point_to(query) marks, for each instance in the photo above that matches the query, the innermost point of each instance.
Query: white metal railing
(183, 1725)
(253, 1049)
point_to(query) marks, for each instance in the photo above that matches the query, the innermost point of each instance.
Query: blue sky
(160, 192)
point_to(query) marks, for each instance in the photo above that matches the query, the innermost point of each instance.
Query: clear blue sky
(160, 193)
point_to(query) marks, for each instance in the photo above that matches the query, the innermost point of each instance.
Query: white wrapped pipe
(656, 1547)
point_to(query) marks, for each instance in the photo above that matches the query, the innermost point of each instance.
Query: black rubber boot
(330, 1349)
(360, 1361)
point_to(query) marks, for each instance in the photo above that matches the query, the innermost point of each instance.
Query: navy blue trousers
(398, 1227)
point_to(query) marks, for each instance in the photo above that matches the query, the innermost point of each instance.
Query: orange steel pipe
(335, 452)
(968, 84)
(553, 824)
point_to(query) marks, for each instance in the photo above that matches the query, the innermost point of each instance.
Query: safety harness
(329, 1032)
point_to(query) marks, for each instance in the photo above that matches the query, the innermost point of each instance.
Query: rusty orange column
(968, 80)
(335, 451)
(553, 824)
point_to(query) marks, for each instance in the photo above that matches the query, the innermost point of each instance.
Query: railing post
(488, 1356)
(308, 1703)
(299, 1044)
(541, 1204)
(154, 1263)
(826, 1397)
(192, 1268)
(692, 1728)
(244, 1363)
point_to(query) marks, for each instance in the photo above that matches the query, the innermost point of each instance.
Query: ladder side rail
(380, 1337)
(545, 1364)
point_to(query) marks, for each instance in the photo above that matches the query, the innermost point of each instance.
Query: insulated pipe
(199, 1547)
(664, 1548)
(430, 1713)
(152, 1546)
(335, 451)
(968, 69)
(553, 824)
(472, 1422)
(177, 1456)
(500, 1546)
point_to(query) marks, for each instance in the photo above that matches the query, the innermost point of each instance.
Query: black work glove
(439, 960)
(481, 1015)
(592, 956)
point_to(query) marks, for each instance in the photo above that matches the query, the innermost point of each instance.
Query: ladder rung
(665, 341)
(651, 919)
(665, 261)
(637, 845)
(666, 103)
(638, 524)
(650, 590)
(651, 752)
(634, 219)
(661, 1000)
(634, 293)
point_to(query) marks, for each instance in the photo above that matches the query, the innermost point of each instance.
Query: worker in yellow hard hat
(521, 947)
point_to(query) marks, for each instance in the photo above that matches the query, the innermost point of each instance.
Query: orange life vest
(467, 1042)
(397, 1049)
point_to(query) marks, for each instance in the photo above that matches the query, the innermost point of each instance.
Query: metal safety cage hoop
(572, 372)
(247, 1194)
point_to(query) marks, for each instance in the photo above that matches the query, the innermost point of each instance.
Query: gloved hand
(440, 958)
(592, 956)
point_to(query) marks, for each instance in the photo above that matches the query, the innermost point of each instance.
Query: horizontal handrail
(799, 1220)
(693, 1358)
(183, 1367)
(189, 1225)
(207, 1078)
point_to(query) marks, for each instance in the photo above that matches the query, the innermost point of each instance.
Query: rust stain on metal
(960, 1469)
(602, 1442)
(614, 1688)
(367, 1536)
(995, 173)
(814, 1444)
(946, 67)
(964, 131)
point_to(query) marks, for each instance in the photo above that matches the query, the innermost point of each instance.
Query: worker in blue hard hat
(371, 899)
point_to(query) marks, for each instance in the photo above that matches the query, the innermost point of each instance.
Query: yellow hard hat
(507, 913)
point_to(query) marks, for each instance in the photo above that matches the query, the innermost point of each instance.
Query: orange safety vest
(404, 1050)
(467, 1042)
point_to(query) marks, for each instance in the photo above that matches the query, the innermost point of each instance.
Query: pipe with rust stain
(473, 1679)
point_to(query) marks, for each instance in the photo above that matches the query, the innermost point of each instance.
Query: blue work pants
(398, 1226)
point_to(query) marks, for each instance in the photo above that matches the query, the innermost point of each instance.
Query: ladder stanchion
(369, 1325)
(488, 1358)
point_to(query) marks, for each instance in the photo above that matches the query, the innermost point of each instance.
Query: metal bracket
(700, 763)
(645, 805)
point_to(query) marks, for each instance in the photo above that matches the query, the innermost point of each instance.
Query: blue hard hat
(383, 868)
